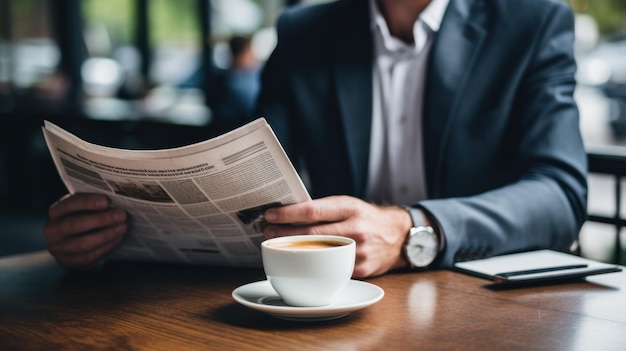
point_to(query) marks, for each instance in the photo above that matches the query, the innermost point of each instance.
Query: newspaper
(198, 204)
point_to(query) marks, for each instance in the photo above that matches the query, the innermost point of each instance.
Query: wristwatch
(422, 244)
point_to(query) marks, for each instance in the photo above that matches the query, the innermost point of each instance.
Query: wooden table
(166, 307)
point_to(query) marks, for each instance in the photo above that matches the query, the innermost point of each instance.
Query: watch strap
(417, 216)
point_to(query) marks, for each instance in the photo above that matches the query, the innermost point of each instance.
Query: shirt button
(402, 119)
(403, 189)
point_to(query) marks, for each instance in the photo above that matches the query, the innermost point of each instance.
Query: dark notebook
(541, 265)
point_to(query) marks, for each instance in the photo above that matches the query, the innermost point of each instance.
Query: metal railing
(610, 160)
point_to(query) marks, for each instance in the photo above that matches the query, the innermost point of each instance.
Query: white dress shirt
(396, 163)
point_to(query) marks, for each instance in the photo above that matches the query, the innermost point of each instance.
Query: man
(496, 163)
(461, 110)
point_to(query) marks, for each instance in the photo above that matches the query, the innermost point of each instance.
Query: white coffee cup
(308, 270)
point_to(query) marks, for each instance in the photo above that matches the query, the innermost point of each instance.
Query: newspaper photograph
(199, 204)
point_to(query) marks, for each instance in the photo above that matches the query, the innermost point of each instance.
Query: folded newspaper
(198, 204)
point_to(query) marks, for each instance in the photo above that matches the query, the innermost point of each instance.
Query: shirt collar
(433, 14)
(431, 17)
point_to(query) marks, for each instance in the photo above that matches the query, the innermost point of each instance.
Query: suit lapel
(450, 65)
(353, 73)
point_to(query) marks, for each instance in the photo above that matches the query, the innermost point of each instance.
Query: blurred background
(148, 74)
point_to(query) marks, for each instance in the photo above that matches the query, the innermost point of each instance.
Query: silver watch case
(421, 247)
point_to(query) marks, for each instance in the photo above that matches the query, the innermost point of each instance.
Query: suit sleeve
(546, 205)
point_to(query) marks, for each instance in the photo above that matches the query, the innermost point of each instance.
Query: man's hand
(379, 231)
(82, 228)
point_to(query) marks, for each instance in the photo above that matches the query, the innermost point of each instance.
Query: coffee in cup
(308, 244)
(308, 270)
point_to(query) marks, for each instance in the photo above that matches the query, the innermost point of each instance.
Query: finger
(364, 270)
(274, 231)
(348, 229)
(328, 209)
(89, 259)
(77, 203)
(372, 259)
(61, 229)
(362, 265)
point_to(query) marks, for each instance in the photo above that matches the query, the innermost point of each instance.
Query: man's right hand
(82, 228)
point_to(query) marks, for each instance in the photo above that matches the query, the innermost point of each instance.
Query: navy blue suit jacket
(504, 159)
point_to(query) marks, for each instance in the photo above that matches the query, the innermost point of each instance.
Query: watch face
(422, 247)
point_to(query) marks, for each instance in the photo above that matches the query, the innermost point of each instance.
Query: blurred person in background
(232, 92)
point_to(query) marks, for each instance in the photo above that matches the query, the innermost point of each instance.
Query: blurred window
(174, 31)
(601, 95)
(134, 59)
(35, 54)
(29, 56)
(601, 57)
(112, 64)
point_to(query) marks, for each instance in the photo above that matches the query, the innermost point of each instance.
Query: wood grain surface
(173, 307)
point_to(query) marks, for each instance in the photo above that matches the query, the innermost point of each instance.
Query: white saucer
(261, 296)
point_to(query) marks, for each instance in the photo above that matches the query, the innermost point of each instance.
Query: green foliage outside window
(610, 15)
